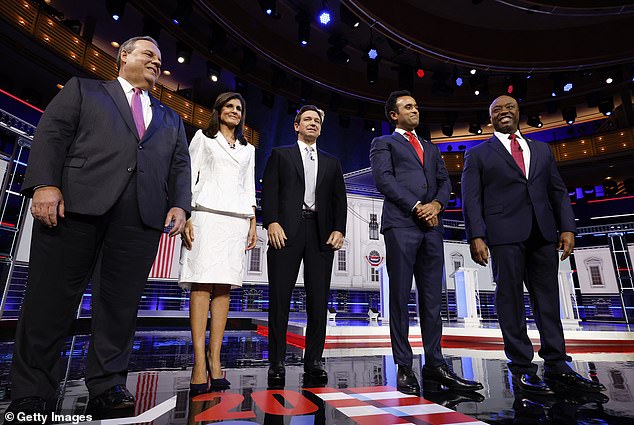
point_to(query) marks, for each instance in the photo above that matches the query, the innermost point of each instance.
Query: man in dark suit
(304, 210)
(514, 198)
(109, 169)
(411, 175)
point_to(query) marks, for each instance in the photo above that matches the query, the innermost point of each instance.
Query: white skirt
(218, 250)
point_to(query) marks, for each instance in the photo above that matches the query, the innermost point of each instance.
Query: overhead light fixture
(269, 7)
(606, 106)
(166, 72)
(115, 8)
(347, 17)
(324, 17)
(183, 53)
(459, 81)
(474, 128)
(115, 44)
(213, 72)
(372, 71)
(479, 84)
(335, 52)
(420, 72)
(372, 53)
(569, 114)
(447, 130)
(534, 121)
(303, 28)
(609, 80)
(182, 12)
(473, 71)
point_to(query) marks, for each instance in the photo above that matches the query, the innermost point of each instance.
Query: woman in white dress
(220, 230)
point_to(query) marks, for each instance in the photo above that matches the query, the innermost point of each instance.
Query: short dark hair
(129, 46)
(390, 103)
(305, 108)
(214, 122)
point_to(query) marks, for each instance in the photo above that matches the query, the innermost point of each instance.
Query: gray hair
(129, 46)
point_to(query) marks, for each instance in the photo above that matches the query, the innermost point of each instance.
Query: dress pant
(415, 252)
(534, 262)
(283, 268)
(116, 250)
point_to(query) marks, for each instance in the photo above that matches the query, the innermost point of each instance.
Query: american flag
(163, 267)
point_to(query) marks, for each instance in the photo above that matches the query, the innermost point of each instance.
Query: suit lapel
(118, 96)
(533, 162)
(321, 167)
(403, 141)
(158, 110)
(501, 150)
(296, 158)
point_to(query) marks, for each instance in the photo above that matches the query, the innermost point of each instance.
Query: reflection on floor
(360, 389)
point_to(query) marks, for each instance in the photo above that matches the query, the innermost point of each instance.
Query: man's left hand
(335, 240)
(428, 211)
(177, 215)
(567, 243)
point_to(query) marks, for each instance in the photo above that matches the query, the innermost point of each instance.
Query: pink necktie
(137, 112)
(416, 145)
(517, 153)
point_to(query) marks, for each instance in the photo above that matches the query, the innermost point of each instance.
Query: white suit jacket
(223, 179)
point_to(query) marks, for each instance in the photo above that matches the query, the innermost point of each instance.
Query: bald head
(505, 114)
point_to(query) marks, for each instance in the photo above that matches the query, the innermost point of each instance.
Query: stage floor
(360, 389)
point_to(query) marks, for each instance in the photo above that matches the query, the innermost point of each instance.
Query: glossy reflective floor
(360, 389)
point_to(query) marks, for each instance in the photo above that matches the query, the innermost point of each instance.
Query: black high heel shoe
(216, 384)
(198, 389)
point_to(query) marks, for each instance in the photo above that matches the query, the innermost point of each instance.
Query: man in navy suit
(410, 173)
(515, 200)
(304, 210)
(109, 170)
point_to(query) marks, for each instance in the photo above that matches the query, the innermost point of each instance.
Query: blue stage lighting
(459, 82)
(324, 17)
(373, 54)
(115, 17)
(269, 11)
(567, 87)
(176, 22)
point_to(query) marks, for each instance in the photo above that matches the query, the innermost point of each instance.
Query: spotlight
(182, 12)
(534, 121)
(479, 84)
(324, 17)
(347, 17)
(609, 80)
(335, 53)
(447, 130)
(474, 128)
(372, 71)
(420, 72)
(213, 72)
(606, 106)
(406, 77)
(372, 53)
(270, 8)
(303, 28)
(473, 71)
(459, 81)
(569, 114)
(183, 53)
(567, 87)
(115, 8)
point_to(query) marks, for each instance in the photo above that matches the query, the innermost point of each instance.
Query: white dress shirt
(146, 104)
(506, 141)
(402, 133)
(302, 150)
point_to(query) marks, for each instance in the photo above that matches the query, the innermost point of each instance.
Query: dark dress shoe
(315, 369)
(572, 381)
(198, 389)
(117, 397)
(532, 384)
(406, 381)
(276, 374)
(309, 381)
(444, 376)
(34, 406)
(451, 399)
(219, 384)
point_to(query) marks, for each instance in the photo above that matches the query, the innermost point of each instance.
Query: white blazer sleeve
(196, 155)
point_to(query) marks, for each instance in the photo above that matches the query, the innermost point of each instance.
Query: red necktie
(416, 145)
(517, 153)
(137, 112)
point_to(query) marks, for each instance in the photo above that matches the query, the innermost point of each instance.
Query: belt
(309, 214)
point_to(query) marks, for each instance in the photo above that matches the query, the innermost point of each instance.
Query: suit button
(140, 147)
(130, 169)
